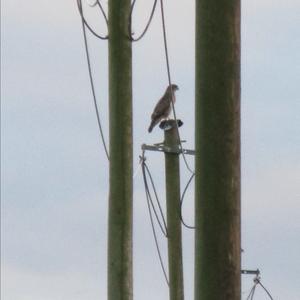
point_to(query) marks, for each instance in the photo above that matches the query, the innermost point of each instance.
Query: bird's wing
(162, 108)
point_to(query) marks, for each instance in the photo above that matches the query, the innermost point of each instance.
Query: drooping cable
(80, 9)
(103, 12)
(92, 86)
(170, 82)
(257, 282)
(181, 203)
(137, 170)
(146, 171)
(268, 293)
(251, 294)
(147, 25)
(149, 204)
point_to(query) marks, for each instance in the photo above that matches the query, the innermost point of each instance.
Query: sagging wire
(267, 292)
(136, 172)
(80, 9)
(251, 294)
(145, 171)
(170, 82)
(84, 25)
(147, 25)
(257, 281)
(103, 12)
(181, 203)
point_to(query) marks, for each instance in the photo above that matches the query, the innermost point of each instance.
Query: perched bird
(163, 106)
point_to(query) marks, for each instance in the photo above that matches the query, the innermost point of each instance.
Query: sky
(54, 182)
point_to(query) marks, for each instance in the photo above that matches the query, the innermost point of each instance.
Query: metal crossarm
(249, 272)
(162, 148)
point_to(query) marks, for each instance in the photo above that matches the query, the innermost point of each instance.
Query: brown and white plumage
(163, 106)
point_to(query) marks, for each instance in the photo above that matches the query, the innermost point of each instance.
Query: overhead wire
(174, 111)
(181, 203)
(257, 281)
(149, 205)
(80, 9)
(170, 82)
(268, 293)
(251, 294)
(136, 172)
(147, 25)
(103, 12)
(91, 80)
(146, 171)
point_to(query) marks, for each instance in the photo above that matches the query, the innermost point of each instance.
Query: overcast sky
(54, 170)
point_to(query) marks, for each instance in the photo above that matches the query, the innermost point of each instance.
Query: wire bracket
(162, 148)
(251, 272)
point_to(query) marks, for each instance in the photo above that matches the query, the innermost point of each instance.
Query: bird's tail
(153, 123)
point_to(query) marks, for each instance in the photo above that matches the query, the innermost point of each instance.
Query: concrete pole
(173, 214)
(217, 179)
(120, 169)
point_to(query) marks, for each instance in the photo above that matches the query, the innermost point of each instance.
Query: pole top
(169, 124)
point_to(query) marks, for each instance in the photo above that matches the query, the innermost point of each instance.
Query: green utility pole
(173, 213)
(217, 180)
(120, 167)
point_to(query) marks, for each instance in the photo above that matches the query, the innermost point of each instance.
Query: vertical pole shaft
(120, 169)
(217, 180)
(173, 216)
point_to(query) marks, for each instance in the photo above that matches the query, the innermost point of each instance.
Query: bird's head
(173, 88)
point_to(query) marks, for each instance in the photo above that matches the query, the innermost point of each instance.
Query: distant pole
(217, 180)
(173, 214)
(120, 152)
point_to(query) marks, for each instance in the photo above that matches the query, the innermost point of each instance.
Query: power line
(157, 245)
(149, 204)
(181, 202)
(170, 81)
(268, 293)
(147, 25)
(256, 281)
(80, 9)
(136, 172)
(251, 294)
(92, 83)
(102, 11)
(146, 172)
(162, 148)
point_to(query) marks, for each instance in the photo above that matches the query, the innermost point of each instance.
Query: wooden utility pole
(173, 213)
(120, 152)
(217, 179)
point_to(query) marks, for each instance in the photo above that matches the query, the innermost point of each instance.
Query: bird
(163, 106)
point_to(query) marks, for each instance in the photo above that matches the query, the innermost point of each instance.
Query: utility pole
(172, 142)
(120, 152)
(217, 178)
(171, 148)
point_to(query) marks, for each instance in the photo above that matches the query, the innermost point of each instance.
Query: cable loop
(80, 9)
(257, 281)
(130, 34)
(264, 288)
(181, 202)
